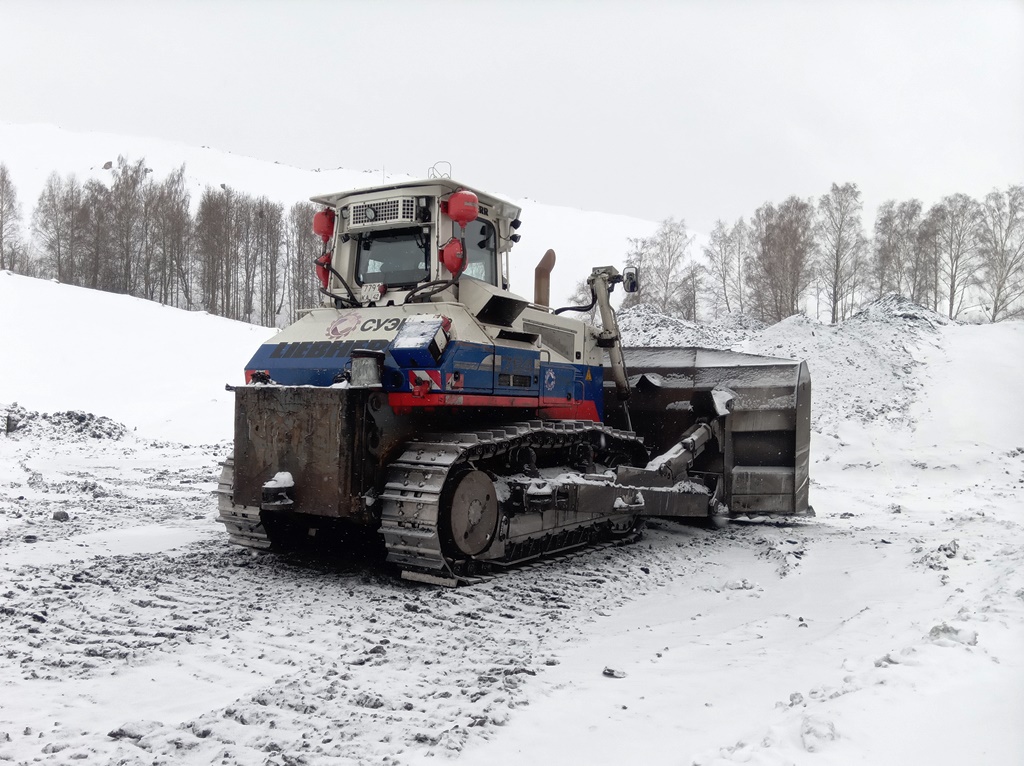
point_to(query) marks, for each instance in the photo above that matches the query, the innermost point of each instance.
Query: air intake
(394, 211)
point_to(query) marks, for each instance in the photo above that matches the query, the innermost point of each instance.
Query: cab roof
(502, 206)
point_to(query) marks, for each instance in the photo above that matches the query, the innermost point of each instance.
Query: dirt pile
(71, 425)
(643, 326)
(861, 369)
(895, 309)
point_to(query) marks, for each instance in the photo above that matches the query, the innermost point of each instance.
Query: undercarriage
(453, 507)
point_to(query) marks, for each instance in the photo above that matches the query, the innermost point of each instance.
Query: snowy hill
(885, 631)
(580, 239)
(152, 367)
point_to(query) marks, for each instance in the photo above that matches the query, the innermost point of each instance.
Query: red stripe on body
(555, 409)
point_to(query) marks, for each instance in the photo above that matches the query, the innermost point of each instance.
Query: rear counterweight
(318, 435)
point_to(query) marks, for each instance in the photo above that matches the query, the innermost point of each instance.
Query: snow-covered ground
(887, 630)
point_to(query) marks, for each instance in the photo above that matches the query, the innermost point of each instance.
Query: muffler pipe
(542, 279)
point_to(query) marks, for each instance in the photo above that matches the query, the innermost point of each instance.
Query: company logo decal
(344, 324)
(352, 321)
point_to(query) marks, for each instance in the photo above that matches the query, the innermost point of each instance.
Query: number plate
(372, 292)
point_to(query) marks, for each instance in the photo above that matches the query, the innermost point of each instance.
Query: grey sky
(698, 110)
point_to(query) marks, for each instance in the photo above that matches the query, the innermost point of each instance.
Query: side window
(482, 251)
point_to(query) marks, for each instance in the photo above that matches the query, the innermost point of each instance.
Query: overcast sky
(697, 110)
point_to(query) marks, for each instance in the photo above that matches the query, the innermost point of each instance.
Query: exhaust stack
(542, 279)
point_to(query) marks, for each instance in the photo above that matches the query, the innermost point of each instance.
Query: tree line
(247, 258)
(237, 256)
(799, 252)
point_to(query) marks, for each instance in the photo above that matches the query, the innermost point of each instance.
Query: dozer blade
(761, 409)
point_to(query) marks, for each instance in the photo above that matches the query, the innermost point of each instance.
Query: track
(242, 522)
(441, 524)
(506, 512)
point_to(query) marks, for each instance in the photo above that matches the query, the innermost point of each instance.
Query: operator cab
(411, 241)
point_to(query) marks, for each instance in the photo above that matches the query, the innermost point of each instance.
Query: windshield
(397, 257)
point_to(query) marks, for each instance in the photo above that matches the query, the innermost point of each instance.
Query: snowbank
(156, 369)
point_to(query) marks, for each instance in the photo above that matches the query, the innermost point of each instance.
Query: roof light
(463, 207)
(452, 257)
(323, 224)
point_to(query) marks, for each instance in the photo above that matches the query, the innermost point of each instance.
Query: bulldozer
(469, 429)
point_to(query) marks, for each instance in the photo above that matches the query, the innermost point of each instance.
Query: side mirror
(631, 279)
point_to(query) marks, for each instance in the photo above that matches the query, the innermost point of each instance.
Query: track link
(411, 511)
(242, 522)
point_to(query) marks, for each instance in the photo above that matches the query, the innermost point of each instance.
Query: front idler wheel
(472, 513)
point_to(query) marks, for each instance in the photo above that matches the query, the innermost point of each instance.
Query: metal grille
(394, 210)
(562, 341)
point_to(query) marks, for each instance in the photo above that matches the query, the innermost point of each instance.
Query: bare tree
(213, 238)
(690, 288)
(134, 236)
(172, 235)
(239, 257)
(908, 222)
(766, 290)
(302, 248)
(129, 219)
(55, 222)
(740, 239)
(244, 217)
(662, 261)
(97, 236)
(923, 275)
(721, 266)
(956, 220)
(269, 243)
(582, 295)
(1001, 239)
(779, 263)
(10, 218)
(886, 249)
(150, 258)
(840, 245)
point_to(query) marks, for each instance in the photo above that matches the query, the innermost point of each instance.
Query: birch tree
(779, 265)
(956, 219)
(10, 218)
(302, 248)
(841, 243)
(1001, 245)
(721, 266)
(662, 260)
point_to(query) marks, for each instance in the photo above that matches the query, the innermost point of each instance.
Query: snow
(281, 480)
(886, 630)
(142, 364)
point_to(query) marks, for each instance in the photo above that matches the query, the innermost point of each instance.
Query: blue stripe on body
(317, 363)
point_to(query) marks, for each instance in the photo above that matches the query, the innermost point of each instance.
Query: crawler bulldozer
(470, 429)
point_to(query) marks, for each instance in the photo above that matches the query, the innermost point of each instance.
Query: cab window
(482, 251)
(396, 257)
